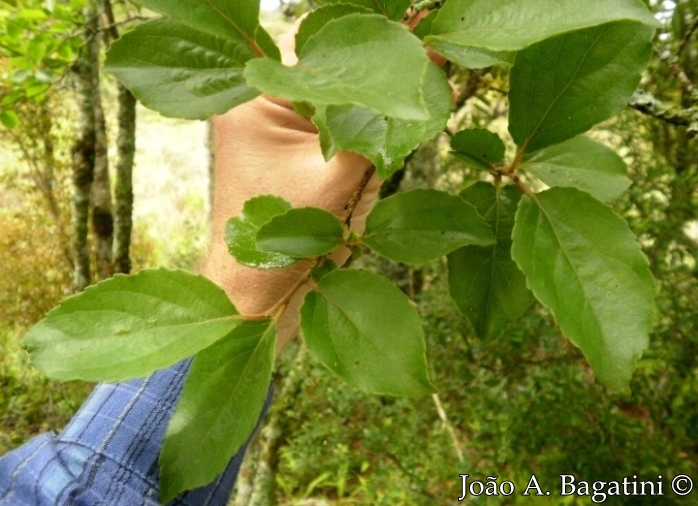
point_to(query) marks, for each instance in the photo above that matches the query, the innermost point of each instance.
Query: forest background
(525, 403)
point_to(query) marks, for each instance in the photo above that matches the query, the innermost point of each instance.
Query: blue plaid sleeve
(107, 455)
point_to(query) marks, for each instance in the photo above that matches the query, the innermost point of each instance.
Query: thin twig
(447, 425)
(687, 37)
(350, 207)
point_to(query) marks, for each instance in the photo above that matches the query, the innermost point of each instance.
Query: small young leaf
(301, 233)
(582, 163)
(485, 283)
(318, 18)
(129, 326)
(222, 398)
(237, 21)
(361, 59)
(180, 72)
(563, 86)
(420, 225)
(477, 33)
(582, 261)
(241, 233)
(366, 331)
(478, 148)
(384, 140)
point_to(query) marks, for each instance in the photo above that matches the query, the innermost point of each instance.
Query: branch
(687, 36)
(647, 103)
(350, 207)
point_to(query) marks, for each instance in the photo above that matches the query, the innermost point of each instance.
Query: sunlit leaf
(129, 326)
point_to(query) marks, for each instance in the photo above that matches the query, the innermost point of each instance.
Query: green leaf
(366, 331)
(479, 33)
(241, 233)
(582, 261)
(392, 9)
(357, 59)
(223, 396)
(485, 283)
(237, 21)
(318, 18)
(180, 72)
(384, 140)
(129, 326)
(582, 163)
(420, 225)
(303, 232)
(478, 148)
(9, 119)
(563, 86)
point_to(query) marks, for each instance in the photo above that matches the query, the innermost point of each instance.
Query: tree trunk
(84, 150)
(123, 215)
(126, 151)
(102, 216)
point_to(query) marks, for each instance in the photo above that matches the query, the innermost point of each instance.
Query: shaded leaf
(420, 225)
(357, 59)
(582, 261)
(241, 233)
(563, 86)
(366, 331)
(582, 163)
(485, 283)
(384, 140)
(479, 33)
(301, 233)
(221, 401)
(180, 72)
(129, 326)
(478, 148)
(237, 21)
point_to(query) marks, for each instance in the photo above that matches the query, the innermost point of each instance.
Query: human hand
(264, 147)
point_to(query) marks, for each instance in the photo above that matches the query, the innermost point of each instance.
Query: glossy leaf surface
(477, 33)
(357, 59)
(583, 164)
(129, 326)
(366, 331)
(241, 233)
(303, 232)
(582, 261)
(485, 283)
(563, 86)
(180, 72)
(420, 225)
(222, 398)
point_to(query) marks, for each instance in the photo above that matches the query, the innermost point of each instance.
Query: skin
(263, 147)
